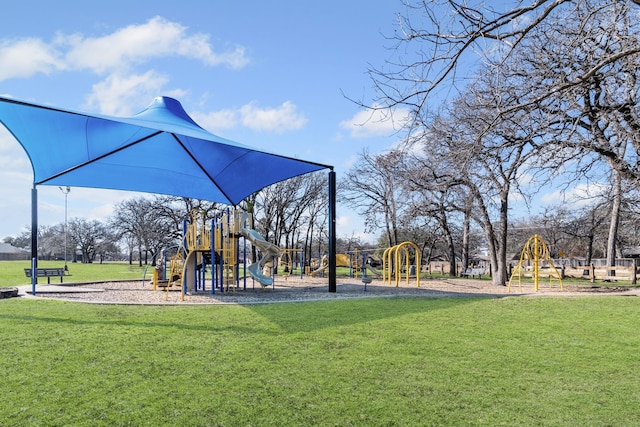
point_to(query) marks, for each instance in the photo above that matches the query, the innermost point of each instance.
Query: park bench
(47, 272)
(471, 272)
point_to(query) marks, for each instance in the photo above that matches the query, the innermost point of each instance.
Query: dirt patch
(292, 289)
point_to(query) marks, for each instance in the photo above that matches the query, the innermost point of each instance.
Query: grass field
(378, 362)
(12, 272)
(372, 362)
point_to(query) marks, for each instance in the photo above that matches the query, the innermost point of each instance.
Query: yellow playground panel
(392, 262)
(225, 244)
(197, 236)
(534, 254)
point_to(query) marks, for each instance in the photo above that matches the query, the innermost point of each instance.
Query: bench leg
(48, 280)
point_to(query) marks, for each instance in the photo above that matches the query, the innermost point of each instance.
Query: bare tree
(432, 194)
(592, 111)
(173, 210)
(373, 187)
(23, 240)
(586, 225)
(292, 213)
(137, 219)
(439, 41)
(86, 236)
(466, 148)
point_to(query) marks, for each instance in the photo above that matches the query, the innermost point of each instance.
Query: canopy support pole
(34, 238)
(332, 231)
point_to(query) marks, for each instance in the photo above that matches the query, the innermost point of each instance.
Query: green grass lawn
(12, 272)
(371, 362)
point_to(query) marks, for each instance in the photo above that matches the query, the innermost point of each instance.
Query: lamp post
(65, 191)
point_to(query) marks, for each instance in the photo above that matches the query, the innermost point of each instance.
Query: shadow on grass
(275, 318)
(315, 315)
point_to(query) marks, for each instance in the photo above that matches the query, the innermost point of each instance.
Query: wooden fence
(593, 273)
(626, 272)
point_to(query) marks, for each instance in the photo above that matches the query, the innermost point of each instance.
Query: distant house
(631, 252)
(11, 253)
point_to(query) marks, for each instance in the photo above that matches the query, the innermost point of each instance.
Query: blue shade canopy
(159, 150)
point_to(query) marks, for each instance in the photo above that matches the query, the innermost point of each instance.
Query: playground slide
(189, 270)
(267, 249)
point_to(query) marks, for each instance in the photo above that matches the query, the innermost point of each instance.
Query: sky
(280, 76)
(275, 75)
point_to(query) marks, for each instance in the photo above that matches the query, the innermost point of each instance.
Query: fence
(625, 269)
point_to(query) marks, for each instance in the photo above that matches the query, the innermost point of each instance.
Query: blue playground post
(34, 275)
(214, 263)
(300, 263)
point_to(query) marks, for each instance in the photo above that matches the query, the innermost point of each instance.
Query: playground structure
(396, 264)
(198, 249)
(354, 260)
(223, 246)
(269, 251)
(534, 254)
(393, 260)
(290, 259)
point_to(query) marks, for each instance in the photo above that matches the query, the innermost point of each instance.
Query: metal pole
(34, 238)
(214, 248)
(65, 191)
(332, 231)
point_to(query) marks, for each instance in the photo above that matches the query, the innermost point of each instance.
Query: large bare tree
(291, 213)
(438, 42)
(373, 186)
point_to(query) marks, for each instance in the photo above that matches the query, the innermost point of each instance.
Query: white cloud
(26, 57)
(350, 161)
(139, 43)
(124, 95)
(215, 121)
(283, 118)
(376, 122)
(119, 94)
(343, 221)
(115, 52)
(279, 119)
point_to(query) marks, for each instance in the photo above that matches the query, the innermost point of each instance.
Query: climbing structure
(395, 257)
(534, 254)
(216, 245)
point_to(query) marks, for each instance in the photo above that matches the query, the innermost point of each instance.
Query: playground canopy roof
(159, 150)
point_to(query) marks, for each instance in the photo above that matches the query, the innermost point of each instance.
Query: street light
(65, 191)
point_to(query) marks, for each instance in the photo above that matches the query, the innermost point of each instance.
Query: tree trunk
(500, 275)
(465, 241)
(452, 256)
(616, 203)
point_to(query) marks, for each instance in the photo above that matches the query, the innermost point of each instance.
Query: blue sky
(272, 75)
(267, 74)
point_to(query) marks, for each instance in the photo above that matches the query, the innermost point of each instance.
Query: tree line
(292, 214)
(552, 98)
